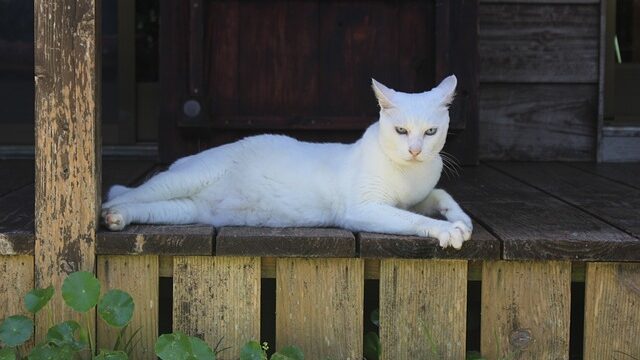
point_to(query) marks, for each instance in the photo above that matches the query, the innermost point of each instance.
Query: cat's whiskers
(450, 162)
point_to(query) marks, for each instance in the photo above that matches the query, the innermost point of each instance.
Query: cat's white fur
(385, 182)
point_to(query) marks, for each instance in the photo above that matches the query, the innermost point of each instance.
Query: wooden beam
(67, 129)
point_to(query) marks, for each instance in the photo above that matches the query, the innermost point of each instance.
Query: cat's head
(413, 127)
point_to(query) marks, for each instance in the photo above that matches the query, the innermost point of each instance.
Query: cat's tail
(117, 190)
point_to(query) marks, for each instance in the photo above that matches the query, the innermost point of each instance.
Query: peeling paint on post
(67, 131)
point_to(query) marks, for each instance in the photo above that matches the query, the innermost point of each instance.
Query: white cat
(382, 183)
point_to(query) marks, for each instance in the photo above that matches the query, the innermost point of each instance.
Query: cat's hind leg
(116, 191)
(163, 186)
(176, 211)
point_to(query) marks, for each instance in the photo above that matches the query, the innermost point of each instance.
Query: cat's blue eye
(431, 131)
(401, 130)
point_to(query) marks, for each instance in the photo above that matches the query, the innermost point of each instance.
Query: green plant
(372, 347)
(252, 350)
(68, 339)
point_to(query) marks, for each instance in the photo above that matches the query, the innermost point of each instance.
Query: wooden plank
(525, 310)
(625, 173)
(217, 298)
(618, 205)
(557, 2)
(285, 242)
(423, 309)
(137, 275)
(539, 43)
(16, 279)
(67, 127)
(319, 306)
(16, 222)
(481, 246)
(536, 226)
(157, 240)
(15, 174)
(538, 121)
(612, 312)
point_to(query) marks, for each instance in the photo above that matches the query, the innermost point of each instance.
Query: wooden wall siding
(137, 275)
(539, 43)
(612, 311)
(538, 121)
(16, 279)
(217, 298)
(538, 79)
(67, 127)
(525, 310)
(319, 306)
(423, 309)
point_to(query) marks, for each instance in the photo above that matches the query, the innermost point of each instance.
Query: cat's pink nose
(415, 152)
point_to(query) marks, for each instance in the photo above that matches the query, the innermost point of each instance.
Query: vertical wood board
(526, 310)
(423, 307)
(16, 279)
(137, 275)
(217, 298)
(319, 306)
(612, 311)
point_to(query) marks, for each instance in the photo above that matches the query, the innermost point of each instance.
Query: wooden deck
(538, 228)
(522, 211)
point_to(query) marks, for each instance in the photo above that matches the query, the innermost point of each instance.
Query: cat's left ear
(447, 89)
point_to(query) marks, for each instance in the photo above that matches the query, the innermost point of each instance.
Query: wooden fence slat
(612, 311)
(137, 275)
(423, 307)
(525, 309)
(67, 144)
(16, 279)
(319, 305)
(217, 298)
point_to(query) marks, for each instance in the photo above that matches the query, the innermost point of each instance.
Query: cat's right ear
(384, 95)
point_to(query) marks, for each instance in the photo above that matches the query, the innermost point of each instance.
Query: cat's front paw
(447, 233)
(459, 215)
(113, 219)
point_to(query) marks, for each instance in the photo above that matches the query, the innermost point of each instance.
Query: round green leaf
(7, 354)
(50, 352)
(116, 308)
(375, 317)
(200, 349)
(112, 355)
(64, 334)
(15, 330)
(372, 346)
(288, 353)
(252, 351)
(174, 346)
(36, 299)
(81, 291)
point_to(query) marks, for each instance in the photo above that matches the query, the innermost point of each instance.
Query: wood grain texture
(536, 122)
(625, 173)
(612, 311)
(525, 310)
(482, 245)
(285, 242)
(319, 307)
(137, 275)
(67, 127)
(217, 298)
(16, 279)
(539, 43)
(423, 309)
(157, 240)
(616, 204)
(536, 226)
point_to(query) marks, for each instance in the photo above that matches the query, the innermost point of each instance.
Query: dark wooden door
(234, 68)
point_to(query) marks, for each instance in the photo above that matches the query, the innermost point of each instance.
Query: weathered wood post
(67, 129)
